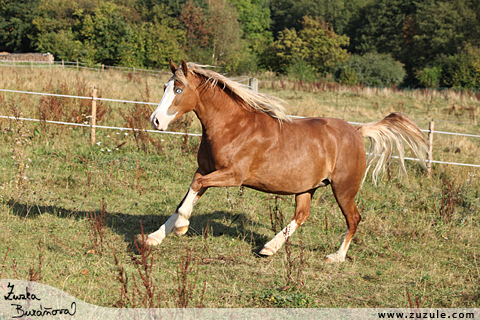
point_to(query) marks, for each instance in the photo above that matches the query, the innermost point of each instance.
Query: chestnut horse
(248, 140)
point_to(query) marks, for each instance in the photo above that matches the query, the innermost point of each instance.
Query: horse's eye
(178, 90)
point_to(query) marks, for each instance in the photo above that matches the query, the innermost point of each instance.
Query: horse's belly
(288, 180)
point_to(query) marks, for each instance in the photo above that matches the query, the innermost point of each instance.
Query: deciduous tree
(16, 24)
(316, 43)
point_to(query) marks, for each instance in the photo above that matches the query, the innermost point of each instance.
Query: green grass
(52, 180)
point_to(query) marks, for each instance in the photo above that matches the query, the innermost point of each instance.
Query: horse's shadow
(130, 226)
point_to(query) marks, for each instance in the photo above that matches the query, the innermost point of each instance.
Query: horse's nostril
(156, 122)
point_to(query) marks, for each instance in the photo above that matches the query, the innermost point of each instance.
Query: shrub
(348, 76)
(316, 44)
(372, 69)
(301, 70)
(430, 77)
(462, 70)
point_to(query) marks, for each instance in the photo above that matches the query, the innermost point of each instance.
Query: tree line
(428, 43)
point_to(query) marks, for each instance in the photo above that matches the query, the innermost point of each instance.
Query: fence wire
(182, 133)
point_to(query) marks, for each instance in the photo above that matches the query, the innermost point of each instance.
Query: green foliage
(285, 299)
(215, 36)
(348, 76)
(63, 45)
(162, 37)
(289, 13)
(300, 69)
(16, 24)
(55, 24)
(175, 6)
(430, 77)
(414, 32)
(229, 50)
(283, 51)
(107, 31)
(104, 32)
(381, 26)
(373, 69)
(440, 27)
(324, 48)
(316, 43)
(246, 35)
(462, 70)
(254, 17)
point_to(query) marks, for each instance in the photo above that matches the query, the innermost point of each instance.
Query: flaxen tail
(387, 137)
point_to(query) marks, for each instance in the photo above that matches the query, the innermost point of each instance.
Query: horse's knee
(301, 217)
(356, 218)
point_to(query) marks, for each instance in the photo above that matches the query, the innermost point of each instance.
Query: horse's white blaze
(164, 230)
(186, 208)
(161, 113)
(276, 243)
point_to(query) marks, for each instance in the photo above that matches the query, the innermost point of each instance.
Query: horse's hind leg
(302, 212)
(345, 196)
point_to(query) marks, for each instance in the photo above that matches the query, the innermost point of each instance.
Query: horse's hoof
(333, 258)
(180, 231)
(329, 260)
(267, 251)
(152, 242)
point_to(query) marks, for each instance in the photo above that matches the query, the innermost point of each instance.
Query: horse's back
(299, 155)
(331, 132)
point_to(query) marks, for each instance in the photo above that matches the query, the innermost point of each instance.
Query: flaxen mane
(270, 105)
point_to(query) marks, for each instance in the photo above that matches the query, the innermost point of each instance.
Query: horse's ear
(184, 68)
(173, 67)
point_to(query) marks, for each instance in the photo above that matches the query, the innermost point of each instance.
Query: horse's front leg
(184, 210)
(221, 178)
(179, 220)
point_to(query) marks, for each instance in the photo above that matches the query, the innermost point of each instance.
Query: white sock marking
(340, 255)
(165, 229)
(185, 209)
(277, 242)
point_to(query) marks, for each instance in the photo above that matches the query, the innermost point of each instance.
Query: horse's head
(178, 98)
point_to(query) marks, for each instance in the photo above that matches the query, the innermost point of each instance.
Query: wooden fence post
(63, 64)
(77, 65)
(94, 114)
(103, 67)
(31, 65)
(430, 148)
(253, 83)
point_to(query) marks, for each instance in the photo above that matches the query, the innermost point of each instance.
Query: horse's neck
(219, 114)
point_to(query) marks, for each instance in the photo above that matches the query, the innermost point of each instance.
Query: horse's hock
(27, 57)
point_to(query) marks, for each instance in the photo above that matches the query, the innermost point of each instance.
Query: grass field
(71, 212)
